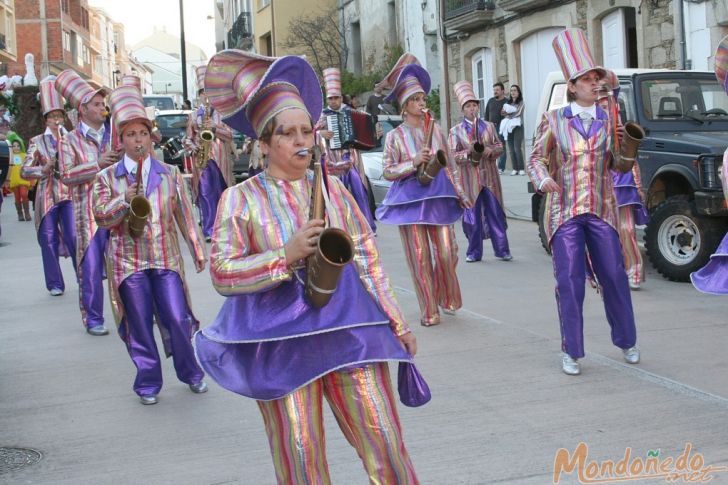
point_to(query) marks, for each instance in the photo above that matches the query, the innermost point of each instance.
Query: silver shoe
(631, 355)
(56, 292)
(447, 311)
(199, 388)
(634, 286)
(148, 399)
(97, 331)
(507, 257)
(570, 366)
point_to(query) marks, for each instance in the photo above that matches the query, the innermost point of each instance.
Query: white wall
(420, 36)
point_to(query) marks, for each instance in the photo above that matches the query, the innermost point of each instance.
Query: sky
(141, 16)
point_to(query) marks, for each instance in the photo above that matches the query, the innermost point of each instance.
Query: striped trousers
(433, 288)
(630, 249)
(363, 403)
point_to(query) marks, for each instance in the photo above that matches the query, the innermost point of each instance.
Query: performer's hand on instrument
(466, 203)
(487, 153)
(409, 342)
(620, 131)
(200, 265)
(550, 186)
(131, 192)
(475, 155)
(423, 157)
(326, 134)
(47, 168)
(108, 158)
(303, 242)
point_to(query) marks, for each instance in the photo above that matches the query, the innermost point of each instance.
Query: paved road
(501, 407)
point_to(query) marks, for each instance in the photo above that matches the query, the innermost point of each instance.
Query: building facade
(510, 40)
(8, 43)
(234, 25)
(272, 18)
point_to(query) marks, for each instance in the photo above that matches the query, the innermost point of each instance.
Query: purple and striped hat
(332, 82)
(721, 63)
(76, 91)
(127, 105)
(406, 79)
(50, 99)
(249, 90)
(573, 53)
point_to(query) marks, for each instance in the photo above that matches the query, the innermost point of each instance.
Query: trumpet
(478, 147)
(334, 250)
(426, 173)
(139, 208)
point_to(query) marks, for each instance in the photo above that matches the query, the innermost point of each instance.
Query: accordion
(352, 129)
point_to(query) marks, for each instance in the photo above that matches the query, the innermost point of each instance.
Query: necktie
(586, 120)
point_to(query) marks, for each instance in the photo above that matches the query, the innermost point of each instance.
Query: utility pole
(183, 52)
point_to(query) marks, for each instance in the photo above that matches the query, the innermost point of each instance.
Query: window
(66, 41)
(64, 6)
(86, 55)
(482, 77)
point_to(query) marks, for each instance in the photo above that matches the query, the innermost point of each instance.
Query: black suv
(172, 124)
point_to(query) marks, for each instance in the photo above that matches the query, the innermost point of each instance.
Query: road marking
(645, 375)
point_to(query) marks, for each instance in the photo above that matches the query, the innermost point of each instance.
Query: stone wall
(659, 35)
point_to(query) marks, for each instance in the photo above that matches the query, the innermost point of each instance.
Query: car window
(626, 102)
(178, 122)
(159, 103)
(683, 99)
(558, 96)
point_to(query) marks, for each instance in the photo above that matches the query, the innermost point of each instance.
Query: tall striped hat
(573, 54)
(127, 105)
(406, 80)
(200, 73)
(132, 80)
(50, 98)
(249, 90)
(332, 82)
(721, 63)
(76, 91)
(464, 92)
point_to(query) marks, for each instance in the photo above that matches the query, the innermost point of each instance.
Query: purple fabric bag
(413, 390)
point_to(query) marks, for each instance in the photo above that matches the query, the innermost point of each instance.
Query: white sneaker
(500, 171)
(631, 355)
(515, 172)
(56, 292)
(521, 172)
(634, 286)
(571, 367)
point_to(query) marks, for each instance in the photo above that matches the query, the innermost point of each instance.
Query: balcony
(521, 5)
(465, 15)
(240, 31)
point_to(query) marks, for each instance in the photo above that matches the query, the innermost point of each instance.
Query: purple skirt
(268, 344)
(713, 277)
(410, 202)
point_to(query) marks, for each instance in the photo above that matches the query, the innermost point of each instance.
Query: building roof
(169, 44)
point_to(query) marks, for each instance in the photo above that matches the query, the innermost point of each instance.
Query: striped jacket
(158, 246)
(43, 149)
(485, 174)
(256, 218)
(579, 162)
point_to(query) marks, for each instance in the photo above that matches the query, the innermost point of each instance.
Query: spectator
(354, 102)
(17, 184)
(187, 104)
(374, 101)
(512, 129)
(493, 114)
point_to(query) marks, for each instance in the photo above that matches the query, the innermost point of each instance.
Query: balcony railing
(240, 30)
(455, 8)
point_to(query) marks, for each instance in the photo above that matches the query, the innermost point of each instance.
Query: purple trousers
(59, 219)
(568, 253)
(485, 219)
(91, 277)
(212, 185)
(143, 294)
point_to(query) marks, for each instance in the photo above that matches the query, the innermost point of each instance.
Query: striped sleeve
(395, 167)
(109, 209)
(538, 164)
(32, 168)
(72, 173)
(461, 155)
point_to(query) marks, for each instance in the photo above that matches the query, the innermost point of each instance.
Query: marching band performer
(212, 169)
(146, 273)
(713, 277)
(344, 163)
(476, 150)
(83, 152)
(268, 342)
(53, 209)
(425, 214)
(631, 210)
(571, 164)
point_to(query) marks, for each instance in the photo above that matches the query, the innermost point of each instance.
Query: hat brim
(102, 91)
(220, 75)
(599, 69)
(410, 70)
(294, 70)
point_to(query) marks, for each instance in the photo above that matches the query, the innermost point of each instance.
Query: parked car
(242, 159)
(372, 159)
(172, 124)
(160, 102)
(685, 117)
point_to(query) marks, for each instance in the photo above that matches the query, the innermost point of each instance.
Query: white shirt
(576, 109)
(131, 167)
(61, 130)
(100, 131)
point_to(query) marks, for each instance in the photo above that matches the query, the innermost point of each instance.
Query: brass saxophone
(478, 147)
(334, 250)
(139, 207)
(426, 173)
(206, 139)
(56, 166)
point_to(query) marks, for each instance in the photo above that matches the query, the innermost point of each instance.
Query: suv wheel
(677, 240)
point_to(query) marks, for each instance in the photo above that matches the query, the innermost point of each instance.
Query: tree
(322, 38)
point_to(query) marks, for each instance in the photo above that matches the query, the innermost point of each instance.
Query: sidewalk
(516, 198)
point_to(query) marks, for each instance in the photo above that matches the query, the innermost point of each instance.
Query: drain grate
(12, 459)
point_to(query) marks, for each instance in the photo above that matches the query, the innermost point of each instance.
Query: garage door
(537, 60)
